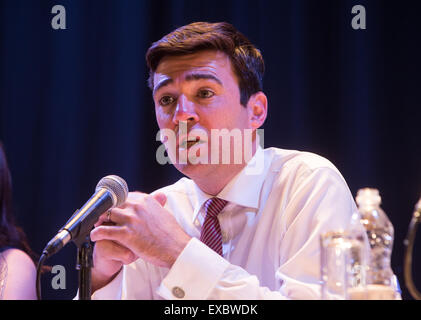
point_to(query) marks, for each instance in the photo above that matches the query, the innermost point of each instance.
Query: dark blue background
(74, 105)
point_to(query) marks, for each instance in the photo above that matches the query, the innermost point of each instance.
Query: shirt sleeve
(112, 291)
(319, 201)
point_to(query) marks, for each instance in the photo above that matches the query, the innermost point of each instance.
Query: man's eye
(166, 100)
(204, 94)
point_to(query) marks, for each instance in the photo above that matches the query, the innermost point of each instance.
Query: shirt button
(197, 223)
(178, 292)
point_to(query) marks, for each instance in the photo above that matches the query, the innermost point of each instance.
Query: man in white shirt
(276, 202)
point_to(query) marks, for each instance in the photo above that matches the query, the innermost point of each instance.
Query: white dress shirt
(271, 228)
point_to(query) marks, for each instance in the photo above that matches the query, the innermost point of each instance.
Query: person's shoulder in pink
(17, 269)
(18, 275)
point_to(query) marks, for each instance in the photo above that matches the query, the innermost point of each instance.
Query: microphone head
(116, 186)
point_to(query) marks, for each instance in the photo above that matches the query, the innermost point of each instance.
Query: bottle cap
(368, 196)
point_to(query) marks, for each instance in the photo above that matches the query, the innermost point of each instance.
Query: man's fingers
(138, 197)
(103, 219)
(113, 216)
(114, 251)
(120, 215)
(161, 198)
(135, 196)
(115, 233)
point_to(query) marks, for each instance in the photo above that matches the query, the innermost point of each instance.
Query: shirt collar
(244, 189)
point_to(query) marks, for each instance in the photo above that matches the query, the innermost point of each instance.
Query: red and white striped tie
(211, 231)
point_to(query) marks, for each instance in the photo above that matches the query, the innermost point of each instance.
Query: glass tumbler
(343, 266)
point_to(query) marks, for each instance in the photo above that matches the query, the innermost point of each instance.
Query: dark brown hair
(246, 59)
(11, 235)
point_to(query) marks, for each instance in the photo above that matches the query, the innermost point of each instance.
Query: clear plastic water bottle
(381, 282)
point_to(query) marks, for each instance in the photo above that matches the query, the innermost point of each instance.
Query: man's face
(197, 92)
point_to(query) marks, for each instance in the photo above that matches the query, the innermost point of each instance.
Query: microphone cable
(409, 246)
(39, 271)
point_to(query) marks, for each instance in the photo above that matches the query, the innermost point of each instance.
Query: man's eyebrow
(190, 77)
(199, 76)
(161, 84)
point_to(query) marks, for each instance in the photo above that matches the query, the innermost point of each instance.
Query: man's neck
(216, 181)
(218, 176)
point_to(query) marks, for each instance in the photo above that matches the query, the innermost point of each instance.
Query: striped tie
(211, 231)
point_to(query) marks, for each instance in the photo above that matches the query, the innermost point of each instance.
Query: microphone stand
(84, 264)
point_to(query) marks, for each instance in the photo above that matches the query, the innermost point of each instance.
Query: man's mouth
(188, 143)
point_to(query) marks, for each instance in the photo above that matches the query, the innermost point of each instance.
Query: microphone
(111, 191)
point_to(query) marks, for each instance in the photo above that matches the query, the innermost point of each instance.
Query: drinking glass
(343, 266)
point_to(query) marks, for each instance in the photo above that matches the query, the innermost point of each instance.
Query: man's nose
(185, 111)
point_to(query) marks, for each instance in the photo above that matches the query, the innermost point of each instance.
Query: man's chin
(193, 169)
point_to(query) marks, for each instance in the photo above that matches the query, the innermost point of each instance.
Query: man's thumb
(161, 198)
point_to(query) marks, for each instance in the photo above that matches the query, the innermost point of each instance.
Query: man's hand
(141, 227)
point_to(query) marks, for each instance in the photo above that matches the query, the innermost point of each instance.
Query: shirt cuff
(112, 291)
(194, 273)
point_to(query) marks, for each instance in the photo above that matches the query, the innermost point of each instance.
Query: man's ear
(257, 108)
